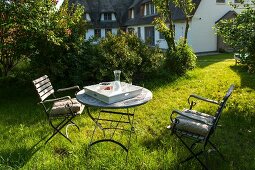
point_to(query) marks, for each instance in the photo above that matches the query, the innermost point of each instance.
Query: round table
(89, 101)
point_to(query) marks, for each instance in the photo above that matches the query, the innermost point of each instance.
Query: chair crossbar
(111, 120)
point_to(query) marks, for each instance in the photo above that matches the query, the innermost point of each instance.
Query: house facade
(137, 16)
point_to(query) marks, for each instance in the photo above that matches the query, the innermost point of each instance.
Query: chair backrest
(221, 107)
(43, 87)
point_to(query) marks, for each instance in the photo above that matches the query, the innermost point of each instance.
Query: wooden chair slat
(41, 83)
(40, 79)
(47, 90)
(47, 94)
(41, 88)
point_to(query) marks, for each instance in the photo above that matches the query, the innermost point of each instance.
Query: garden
(37, 40)
(24, 126)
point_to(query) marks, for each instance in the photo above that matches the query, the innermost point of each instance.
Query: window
(131, 30)
(97, 33)
(131, 13)
(108, 30)
(87, 17)
(150, 9)
(237, 1)
(139, 32)
(220, 1)
(161, 36)
(107, 16)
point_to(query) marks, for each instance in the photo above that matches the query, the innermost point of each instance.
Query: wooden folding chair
(64, 109)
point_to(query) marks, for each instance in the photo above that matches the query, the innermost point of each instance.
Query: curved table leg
(109, 140)
(130, 117)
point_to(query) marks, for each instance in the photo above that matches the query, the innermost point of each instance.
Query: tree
(187, 7)
(165, 18)
(12, 36)
(37, 30)
(239, 32)
(179, 56)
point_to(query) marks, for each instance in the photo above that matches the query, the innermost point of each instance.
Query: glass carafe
(117, 85)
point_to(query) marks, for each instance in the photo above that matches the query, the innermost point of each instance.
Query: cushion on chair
(208, 119)
(61, 107)
(192, 126)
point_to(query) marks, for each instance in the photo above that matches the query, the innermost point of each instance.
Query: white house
(137, 15)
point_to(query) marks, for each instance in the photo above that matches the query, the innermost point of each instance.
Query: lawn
(24, 128)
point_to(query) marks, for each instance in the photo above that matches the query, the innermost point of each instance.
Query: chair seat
(193, 126)
(62, 107)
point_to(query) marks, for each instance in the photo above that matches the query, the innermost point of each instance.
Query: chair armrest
(68, 88)
(56, 99)
(185, 115)
(202, 98)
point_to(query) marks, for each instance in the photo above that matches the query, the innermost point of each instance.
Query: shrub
(129, 54)
(239, 33)
(182, 60)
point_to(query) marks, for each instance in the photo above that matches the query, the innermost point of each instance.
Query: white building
(137, 15)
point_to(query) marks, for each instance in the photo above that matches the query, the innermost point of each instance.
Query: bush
(181, 60)
(129, 54)
(239, 34)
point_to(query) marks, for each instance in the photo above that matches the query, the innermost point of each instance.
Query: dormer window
(107, 16)
(149, 9)
(131, 13)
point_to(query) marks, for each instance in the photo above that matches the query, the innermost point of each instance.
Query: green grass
(24, 128)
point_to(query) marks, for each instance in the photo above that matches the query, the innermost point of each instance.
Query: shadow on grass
(18, 158)
(247, 79)
(234, 138)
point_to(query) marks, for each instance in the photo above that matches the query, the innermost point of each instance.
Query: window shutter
(142, 10)
(129, 14)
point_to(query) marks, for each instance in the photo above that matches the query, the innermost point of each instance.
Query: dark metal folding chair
(63, 109)
(197, 126)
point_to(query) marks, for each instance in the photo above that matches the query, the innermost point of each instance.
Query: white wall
(202, 37)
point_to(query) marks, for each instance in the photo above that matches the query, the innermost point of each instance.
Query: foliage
(58, 37)
(129, 54)
(12, 36)
(181, 60)
(45, 35)
(165, 18)
(187, 7)
(239, 32)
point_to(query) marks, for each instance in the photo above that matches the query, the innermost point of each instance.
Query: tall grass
(24, 128)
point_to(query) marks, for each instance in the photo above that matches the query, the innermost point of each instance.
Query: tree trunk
(186, 31)
(171, 42)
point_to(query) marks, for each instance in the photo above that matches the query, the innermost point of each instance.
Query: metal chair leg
(57, 129)
(193, 155)
(217, 150)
